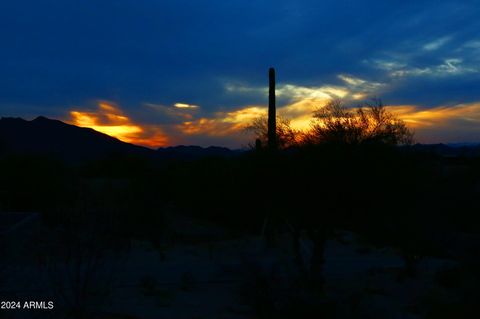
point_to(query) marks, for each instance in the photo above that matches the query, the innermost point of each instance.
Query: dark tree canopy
(286, 135)
(334, 123)
(368, 123)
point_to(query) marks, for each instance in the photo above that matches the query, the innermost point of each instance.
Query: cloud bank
(188, 66)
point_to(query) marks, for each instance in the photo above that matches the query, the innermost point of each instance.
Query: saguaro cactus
(272, 112)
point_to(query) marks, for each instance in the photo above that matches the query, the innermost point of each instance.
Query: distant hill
(194, 152)
(52, 137)
(43, 136)
(449, 150)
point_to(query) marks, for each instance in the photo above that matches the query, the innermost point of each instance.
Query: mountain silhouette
(43, 136)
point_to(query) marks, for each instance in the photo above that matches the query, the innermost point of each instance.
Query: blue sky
(144, 57)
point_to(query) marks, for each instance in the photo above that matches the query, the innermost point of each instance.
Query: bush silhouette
(286, 136)
(368, 123)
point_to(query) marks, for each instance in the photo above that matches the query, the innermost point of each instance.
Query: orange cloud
(110, 119)
(300, 113)
(458, 123)
(223, 123)
(439, 124)
(228, 123)
(441, 115)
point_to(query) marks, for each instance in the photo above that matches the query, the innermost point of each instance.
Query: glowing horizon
(429, 124)
(110, 119)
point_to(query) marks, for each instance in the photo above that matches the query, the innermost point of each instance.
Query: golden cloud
(234, 122)
(439, 124)
(458, 123)
(430, 124)
(110, 119)
(437, 116)
(301, 92)
(185, 106)
(223, 123)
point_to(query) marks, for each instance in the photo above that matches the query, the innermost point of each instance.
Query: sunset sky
(166, 72)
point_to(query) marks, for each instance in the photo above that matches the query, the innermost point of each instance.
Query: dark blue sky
(144, 56)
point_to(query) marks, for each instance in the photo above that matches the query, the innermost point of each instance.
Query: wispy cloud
(222, 123)
(436, 44)
(457, 123)
(108, 118)
(185, 106)
(352, 88)
(296, 92)
(449, 67)
(175, 112)
(437, 124)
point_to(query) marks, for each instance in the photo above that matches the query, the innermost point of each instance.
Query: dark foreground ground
(338, 232)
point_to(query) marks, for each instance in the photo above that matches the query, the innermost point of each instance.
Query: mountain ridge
(56, 138)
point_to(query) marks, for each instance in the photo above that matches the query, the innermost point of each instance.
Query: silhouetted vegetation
(286, 136)
(368, 123)
(354, 171)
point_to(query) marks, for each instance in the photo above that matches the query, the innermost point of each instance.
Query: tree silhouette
(368, 123)
(286, 136)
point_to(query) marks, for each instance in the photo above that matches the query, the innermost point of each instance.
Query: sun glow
(443, 123)
(110, 119)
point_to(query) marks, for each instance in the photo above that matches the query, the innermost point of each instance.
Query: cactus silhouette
(272, 113)
(258, 144)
